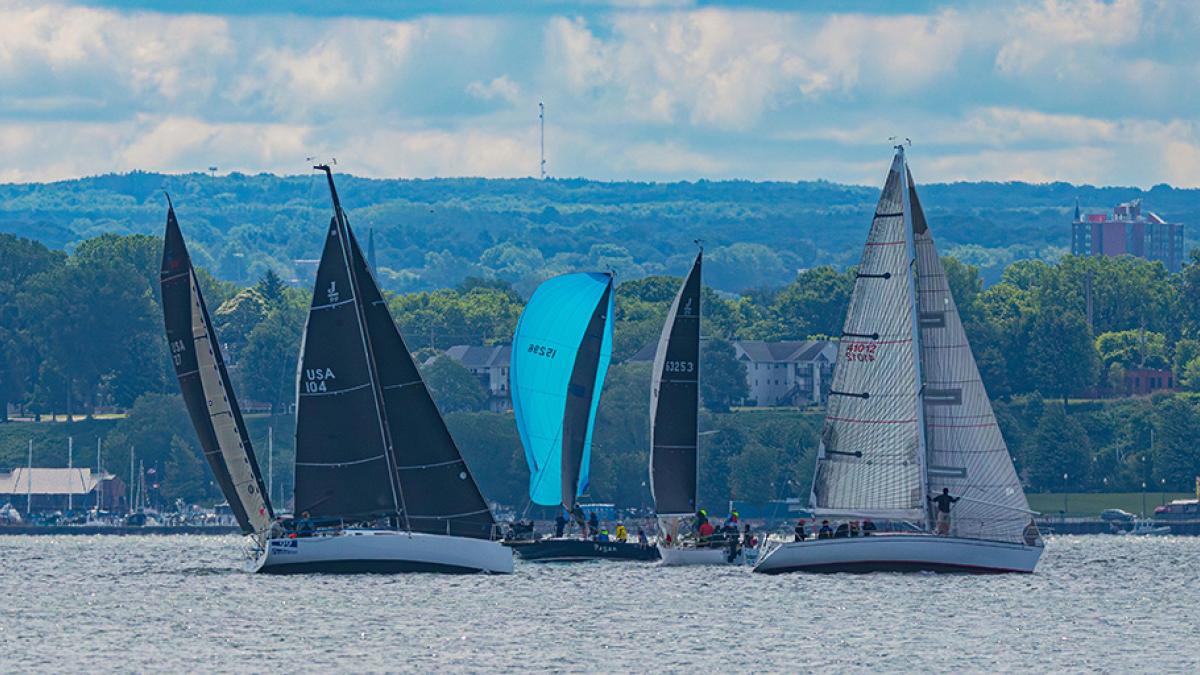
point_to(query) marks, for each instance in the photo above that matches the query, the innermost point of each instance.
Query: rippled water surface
(176, 603)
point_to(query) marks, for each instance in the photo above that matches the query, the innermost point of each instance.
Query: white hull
(675, 556)
(900, 553)
(383, 551)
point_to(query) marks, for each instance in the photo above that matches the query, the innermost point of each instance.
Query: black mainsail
(582, 390)
(441, 494)
(204, 382)
(343, 448)
(674, 401)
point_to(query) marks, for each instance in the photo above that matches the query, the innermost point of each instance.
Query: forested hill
(434, 233)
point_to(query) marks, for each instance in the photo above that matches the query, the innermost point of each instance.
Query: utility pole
(270, 464)
(542, 138)
(29, 482)
(129, 504)
(70, 465)
(99, 491)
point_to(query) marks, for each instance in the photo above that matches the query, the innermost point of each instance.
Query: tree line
(81, 332)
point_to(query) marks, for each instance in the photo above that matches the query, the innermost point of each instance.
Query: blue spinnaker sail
(560, 354)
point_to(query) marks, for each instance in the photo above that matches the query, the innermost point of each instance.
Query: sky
(1085, 91)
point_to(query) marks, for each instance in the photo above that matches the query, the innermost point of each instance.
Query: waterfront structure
(52, 489)
(1128, 231)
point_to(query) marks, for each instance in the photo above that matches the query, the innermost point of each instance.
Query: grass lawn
(1091, 503)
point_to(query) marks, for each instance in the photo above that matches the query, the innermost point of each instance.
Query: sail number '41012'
(860, 351)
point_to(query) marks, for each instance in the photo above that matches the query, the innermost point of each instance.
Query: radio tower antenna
(542, 137)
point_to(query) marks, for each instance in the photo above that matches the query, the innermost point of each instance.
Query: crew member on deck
(304, 526)
(622, 533)
(642, 540)
(868, 527)
(594, 523)
(560, 524)
(943, 502)
(826, 532)
(801, 530)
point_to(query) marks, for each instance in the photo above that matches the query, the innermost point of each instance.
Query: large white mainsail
(965, 449)
(871, 458)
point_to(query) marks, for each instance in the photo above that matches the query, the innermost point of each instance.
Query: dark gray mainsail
(204, 382)
(582, 390)
(343, 448)
(439, 491)
(674, 401)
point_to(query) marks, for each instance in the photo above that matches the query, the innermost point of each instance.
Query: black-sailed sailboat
(380, 484)
(207, 393)
(674, 411)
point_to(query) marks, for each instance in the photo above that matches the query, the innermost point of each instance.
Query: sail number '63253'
(679, 367)
(315, 379)
(177, 350)
(542, 350)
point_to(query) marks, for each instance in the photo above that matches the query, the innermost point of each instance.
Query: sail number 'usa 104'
(315, 379)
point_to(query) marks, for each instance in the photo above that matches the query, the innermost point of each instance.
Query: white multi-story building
(779, 373)
(490, 365)
(787, 373)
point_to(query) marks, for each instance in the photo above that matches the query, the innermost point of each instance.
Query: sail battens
(401, 385)
(332, 305)
(852, 420)
(898, 341)
(980, 425)
(675, 447)
(173, 277)
(887, 243)
(413, 467)
(367, 460)
(347, 390)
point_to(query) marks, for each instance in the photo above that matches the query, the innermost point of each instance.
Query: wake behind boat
(908, 418)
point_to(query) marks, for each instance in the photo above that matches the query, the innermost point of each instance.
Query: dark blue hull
(573, 550)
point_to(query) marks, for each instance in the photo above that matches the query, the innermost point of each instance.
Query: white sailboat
(908, 416)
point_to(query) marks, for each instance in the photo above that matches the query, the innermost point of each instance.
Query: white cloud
(1081, 90)
(499, 87)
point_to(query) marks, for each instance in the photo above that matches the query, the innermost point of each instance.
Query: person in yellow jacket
(622, 533)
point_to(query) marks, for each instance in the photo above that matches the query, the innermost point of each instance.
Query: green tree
(453, 386)
(270, 288)
(1060, 447)
(20, 259)
(1063, 355)
(722, 375)
(236, 318)
(267, 364)
(1176, 451)
(185, 476)
(740, 266)
(753, 473)
(150, 428)
(1133, 349)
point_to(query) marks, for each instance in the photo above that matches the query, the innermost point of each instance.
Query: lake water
(182, 603)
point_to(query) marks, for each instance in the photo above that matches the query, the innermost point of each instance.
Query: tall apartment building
(1128, 231)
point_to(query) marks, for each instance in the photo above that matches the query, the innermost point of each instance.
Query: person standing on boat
(560, 524)
(622, 533)
(594, 523)
(943, 501)
(304, 526)
(801, 530)
(868, 527)
(826, 532)
(642, 539)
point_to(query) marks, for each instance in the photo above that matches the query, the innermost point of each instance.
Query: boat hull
(680, 556)
(383, 552)
(575, 550)
(901, 553)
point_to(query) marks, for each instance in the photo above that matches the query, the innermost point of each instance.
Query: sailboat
(207, 392)
(560, 354)
(908, 417)
(674, 407)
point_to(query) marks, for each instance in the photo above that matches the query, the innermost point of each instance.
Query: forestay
(560, 354)
(674, 401)
(870, 458)
(204, 382)
(965, 449)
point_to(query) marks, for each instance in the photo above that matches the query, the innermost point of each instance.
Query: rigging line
(331, 305)
(334, 393)
(430, 466)
(449, 516)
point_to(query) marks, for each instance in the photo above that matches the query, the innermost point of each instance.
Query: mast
(29, 482)
(918, 373)
(70, 452)
(99, 483)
